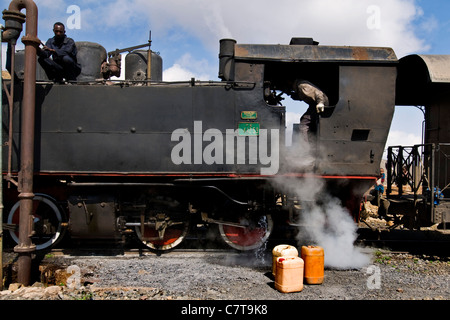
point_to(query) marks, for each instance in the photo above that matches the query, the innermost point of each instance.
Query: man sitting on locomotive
(316, 99)
(58, 57)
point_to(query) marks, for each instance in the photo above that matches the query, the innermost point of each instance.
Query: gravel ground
(218, 275)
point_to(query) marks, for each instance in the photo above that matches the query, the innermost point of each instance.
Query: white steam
(331, 226)
(323, 218)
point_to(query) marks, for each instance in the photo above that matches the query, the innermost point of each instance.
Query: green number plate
(248, 129)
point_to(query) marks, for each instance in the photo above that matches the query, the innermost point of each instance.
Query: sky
(186, 33)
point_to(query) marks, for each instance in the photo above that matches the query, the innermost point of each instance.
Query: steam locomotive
(155, 159)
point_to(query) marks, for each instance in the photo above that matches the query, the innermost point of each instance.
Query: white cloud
(401, 138)
(430, 24)
(55, 10)
(339, 22)
(342, 22)
(177, 73)
(186, 68)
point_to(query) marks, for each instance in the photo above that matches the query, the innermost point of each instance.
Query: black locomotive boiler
(156, 159)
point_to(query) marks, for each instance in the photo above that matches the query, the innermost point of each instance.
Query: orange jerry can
(313, 257)
(282, 250)
(289, 274)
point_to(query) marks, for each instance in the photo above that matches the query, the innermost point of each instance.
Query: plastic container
(313, 257)
(289, 274)
(282, 250)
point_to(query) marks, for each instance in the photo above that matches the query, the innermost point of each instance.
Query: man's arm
(312, 93)
(67, 49)
(46, 50)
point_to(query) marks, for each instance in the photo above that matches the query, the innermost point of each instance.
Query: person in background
(381, 202)
(58, 56)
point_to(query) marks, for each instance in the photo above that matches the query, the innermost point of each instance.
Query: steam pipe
(25, 246)
(10, 96)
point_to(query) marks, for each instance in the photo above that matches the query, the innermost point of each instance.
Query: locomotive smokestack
(25, 246)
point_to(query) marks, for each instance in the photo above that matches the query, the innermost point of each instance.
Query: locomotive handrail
(111, 184)
(190, 83)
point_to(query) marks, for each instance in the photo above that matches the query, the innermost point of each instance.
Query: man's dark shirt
(66, 47)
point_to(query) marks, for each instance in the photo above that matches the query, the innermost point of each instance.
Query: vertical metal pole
(149, 59)
(1, 176)
(400, 171)
(389, 172)
(11, 113)
(25, 247)
(433, 184)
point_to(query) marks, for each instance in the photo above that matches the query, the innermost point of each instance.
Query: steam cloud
(323, 218)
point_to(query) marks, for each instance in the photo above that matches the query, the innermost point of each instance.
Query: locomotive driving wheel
(164, 226)
(162, 232)
(248, 233)
(48, 220)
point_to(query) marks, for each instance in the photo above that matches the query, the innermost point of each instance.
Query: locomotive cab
(358, 81)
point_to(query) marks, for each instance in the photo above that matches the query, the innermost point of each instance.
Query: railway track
(435, 243)
(429, 242)
(412, 265)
